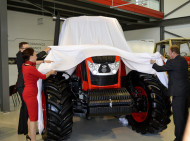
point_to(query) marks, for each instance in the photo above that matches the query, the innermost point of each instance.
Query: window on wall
(152, 4)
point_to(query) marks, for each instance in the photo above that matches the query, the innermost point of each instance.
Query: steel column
(162, 37)
(4, 71)
(162, 27)
(57, 30)
(162, 6)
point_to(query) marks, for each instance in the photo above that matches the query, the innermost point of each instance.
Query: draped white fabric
(83, 37)
(93, 30)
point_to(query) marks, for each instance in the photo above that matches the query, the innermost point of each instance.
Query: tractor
(182, 43)
(100, 86)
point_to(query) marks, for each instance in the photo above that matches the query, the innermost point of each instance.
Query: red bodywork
(86, 85)
(187, 58)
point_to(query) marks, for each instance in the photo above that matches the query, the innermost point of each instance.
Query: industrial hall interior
(94, 70)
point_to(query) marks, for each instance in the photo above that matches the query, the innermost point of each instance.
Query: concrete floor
(96, 129)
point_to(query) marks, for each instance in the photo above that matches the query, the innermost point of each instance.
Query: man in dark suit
(23, 119)
(178, 87)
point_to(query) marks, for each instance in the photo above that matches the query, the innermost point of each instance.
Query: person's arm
(35, 72)
(41, 55)
(43, 61)
(168, 66)
(50, 73)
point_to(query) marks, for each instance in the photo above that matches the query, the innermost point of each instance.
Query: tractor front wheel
(153, 107)
(59, 109)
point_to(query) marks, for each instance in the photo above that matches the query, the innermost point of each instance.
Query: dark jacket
(20, 61)
(177, 69)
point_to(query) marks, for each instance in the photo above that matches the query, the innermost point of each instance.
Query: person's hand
(152, 61)
(53, 72)
(47, 61)
(163, 58)
(47, 49)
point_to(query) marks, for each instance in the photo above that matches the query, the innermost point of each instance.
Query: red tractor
(100, 87)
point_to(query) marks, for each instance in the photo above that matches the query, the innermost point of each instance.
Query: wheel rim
(140, 117)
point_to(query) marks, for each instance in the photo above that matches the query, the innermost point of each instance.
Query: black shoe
(28, 138)
(37, 133)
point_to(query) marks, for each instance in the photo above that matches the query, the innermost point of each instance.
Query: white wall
(149, 33)
(181, 30)
(25, 27)
(152, 34)
(170, 5)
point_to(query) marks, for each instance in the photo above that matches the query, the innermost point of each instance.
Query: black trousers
(23, 119)
(180, 114)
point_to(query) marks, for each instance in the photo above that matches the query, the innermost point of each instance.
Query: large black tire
(59, 109)
(156, 103)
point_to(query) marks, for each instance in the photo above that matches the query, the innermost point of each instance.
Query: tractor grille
(109, 102)
(106, 80)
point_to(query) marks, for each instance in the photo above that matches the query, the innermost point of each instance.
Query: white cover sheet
(83, 37)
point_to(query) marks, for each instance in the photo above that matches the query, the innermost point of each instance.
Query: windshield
(185, 49)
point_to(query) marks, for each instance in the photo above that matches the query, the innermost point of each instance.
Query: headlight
(114, 67)
(90, 65)
(93, 67)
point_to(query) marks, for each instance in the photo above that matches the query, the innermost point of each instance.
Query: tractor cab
(182, 43)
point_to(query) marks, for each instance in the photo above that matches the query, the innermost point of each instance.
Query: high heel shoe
(28, 138)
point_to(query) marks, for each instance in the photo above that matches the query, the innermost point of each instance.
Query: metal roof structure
(129, 15)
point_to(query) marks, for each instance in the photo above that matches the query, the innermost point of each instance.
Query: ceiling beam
(48, 6)
(100, 9)
(24, 7)
(167, 22)
(83, 10)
